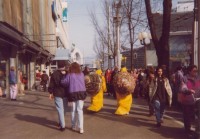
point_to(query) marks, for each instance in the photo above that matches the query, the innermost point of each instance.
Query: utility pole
(117, 20)
(109, 45)
(198, 19)
(195, 36)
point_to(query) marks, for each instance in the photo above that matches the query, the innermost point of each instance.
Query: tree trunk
(161, 44)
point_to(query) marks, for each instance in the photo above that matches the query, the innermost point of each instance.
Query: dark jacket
(55, 86)
(12, 78)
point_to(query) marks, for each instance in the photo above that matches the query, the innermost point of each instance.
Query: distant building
(180, 42)
(139, 60)
(30, 32)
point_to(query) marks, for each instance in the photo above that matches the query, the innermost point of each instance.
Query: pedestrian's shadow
(37, 120)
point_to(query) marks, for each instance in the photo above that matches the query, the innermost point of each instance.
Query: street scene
(93, 69)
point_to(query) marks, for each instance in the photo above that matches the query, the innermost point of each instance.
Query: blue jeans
(61, 104)
(77, 106)
(159, 108)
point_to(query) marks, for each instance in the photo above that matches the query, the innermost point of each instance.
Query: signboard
(64, 11)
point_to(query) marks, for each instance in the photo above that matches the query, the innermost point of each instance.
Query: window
(135, 55)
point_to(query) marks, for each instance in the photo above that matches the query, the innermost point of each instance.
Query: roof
(62, 54)
(181, 21)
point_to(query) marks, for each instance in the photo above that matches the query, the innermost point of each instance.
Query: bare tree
(106, 42)
(161, 44)
(133, 19)
(133, 16)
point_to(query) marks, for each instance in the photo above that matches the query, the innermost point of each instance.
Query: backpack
(93, 83)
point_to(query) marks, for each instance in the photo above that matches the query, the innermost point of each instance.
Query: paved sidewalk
(34, 116)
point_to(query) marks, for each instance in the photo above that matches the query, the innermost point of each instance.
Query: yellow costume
(123, 102)
(97, 100)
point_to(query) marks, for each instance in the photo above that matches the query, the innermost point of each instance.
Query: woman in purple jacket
(74, 82)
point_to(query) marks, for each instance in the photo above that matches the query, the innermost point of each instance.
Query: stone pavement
(34, 116)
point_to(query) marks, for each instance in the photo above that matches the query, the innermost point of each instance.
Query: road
(34, 116)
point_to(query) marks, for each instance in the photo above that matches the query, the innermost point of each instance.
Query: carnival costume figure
(124, 85)
(97, 98)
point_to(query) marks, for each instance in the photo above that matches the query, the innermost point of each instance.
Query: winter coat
(186, 97)
(75, 84)
(12, 78)
(153, 88)
(55, 86)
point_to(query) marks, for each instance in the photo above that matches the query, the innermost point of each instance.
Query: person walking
(13, 84)
(189, 90)
(75, 83)
(150, 78)
(44, 80)
(112, 89)
(86, 71)
(20, 83)
(160, 92)
(107, 79)
(97, 99)
(58, 93)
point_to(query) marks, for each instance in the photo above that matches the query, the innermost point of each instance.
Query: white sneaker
(81, 131)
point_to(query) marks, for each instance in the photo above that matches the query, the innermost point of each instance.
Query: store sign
(64, 11)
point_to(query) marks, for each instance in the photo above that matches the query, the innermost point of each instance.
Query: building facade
(29, 36)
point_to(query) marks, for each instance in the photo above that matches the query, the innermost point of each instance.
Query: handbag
(184, 97)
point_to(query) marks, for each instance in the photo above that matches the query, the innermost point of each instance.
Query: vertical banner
(64, 11)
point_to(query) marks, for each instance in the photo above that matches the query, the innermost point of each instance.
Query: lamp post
(144, 38)
(117, 20)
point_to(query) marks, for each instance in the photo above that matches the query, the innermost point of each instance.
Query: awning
(62, 54)
(9, 36)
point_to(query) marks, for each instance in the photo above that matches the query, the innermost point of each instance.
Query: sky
(81, 31)
(80, 28)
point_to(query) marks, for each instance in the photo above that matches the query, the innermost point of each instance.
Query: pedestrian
(112, 90)
(86, 70)
(141, 79)
(97, 99)
(178, 80)
(150, 78)
(3, 82)
(38, 75)
(160, 92)
(13, 84)
(20, 83)
(58, 93)
(108, 78)
(75, 83)
(44, 80)
(190, 89)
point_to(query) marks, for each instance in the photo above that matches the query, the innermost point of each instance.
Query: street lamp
(144, 38)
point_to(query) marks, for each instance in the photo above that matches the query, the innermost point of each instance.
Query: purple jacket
(75, 84)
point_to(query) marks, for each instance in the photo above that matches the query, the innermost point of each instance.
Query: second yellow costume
(123, 102)
(97, 100)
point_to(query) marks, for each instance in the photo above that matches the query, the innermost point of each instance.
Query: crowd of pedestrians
(67, 86)
(179, 89)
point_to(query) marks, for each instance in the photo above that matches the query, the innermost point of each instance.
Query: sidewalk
(33, 116)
